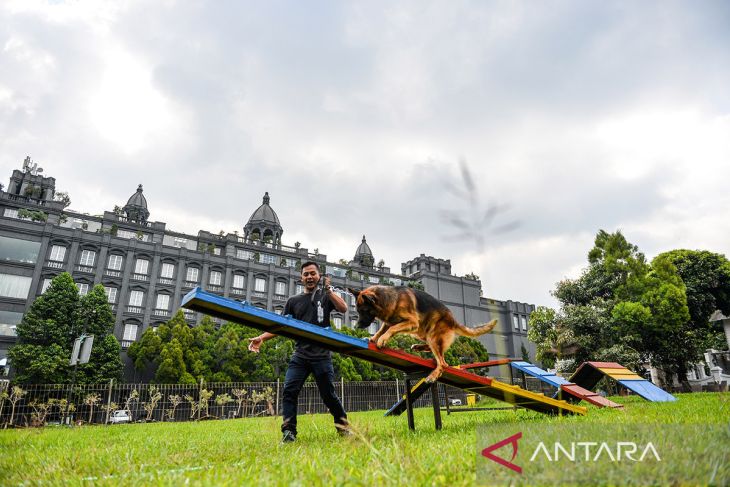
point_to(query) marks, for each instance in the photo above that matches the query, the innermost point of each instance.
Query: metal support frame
(410, 402)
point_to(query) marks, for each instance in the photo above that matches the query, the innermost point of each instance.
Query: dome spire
(136, 207)
(264, 225)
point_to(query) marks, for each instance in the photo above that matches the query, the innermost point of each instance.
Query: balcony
(140, 277)
(166, 281)
(189, 315)
(259, 294)
(84, 268)
(126, 344)
(279, 298)
(238, 292)
(190, 284)
(54, 264)
(215, 289)
(135, 309)
(112, 273)
(161, 312)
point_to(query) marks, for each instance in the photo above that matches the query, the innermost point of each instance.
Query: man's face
(310, 277)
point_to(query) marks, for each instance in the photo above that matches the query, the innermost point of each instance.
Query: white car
(120, 416)
(454, 402)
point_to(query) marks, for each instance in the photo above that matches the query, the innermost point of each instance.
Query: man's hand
(255, 343)
(327, 281)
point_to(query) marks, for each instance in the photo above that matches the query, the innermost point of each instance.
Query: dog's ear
(354, 292)
(369, 298)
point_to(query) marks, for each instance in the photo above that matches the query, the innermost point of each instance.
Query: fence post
(200, 397)
(342, 390)
(108, 401)
(277, 396)
(397, 390)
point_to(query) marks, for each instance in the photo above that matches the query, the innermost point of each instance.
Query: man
(314, 306)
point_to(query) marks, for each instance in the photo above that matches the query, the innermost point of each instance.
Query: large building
(147, 269)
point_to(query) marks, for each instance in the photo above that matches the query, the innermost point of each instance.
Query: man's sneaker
(288, 437)
(343, 429)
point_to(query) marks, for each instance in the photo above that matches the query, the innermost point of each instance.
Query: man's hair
(308, 263)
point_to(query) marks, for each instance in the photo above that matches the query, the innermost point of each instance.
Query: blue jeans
(324, 374)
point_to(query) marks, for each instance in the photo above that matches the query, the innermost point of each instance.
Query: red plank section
(490, 363)
(590, 396)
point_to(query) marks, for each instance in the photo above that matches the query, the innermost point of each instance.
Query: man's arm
(337, 301)
(255, 343)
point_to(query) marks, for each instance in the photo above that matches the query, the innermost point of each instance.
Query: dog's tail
(476, 331)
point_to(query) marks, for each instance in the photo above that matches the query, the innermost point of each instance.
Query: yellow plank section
(620, 374)
(538, 397)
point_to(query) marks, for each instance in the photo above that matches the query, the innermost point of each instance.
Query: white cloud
(578, 116)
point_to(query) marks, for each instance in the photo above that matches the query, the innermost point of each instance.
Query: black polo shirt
(304, 307)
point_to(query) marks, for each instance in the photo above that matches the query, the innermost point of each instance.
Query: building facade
(146, 269)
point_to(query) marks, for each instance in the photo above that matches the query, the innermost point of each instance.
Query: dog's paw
(381, 342)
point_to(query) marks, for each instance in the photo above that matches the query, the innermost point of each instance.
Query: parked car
(121, 416)
(454, 401)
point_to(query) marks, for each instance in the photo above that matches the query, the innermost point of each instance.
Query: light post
(80, 354)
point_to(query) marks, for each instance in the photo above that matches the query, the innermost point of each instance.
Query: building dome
(264, 224)
(136, 207)
(363, 254)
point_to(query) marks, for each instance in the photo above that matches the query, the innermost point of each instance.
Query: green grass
(247, 451)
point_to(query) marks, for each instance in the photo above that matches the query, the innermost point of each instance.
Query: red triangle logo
(512, 440)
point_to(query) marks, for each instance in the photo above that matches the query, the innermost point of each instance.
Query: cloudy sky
(363, 118)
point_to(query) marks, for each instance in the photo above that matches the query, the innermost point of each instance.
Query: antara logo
(512, 440)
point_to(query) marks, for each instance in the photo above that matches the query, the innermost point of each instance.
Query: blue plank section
(266, 320)
(543, 375)
(647, 390)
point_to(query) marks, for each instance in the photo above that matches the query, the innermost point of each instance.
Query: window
(217, 251)
(111, 294)
(244, 254)
(11, 212)
(58, 252)
(280, 288)
(374, 279)
(9, 320)
(268, 259)
(260, 285)
(216, 278)
(167, 271)
(12, 286)
(126, 234)
(163, 301)
(192, 274)
(17, 250)
(46, 285)
(238, 281)
(338, 322)
(516, 322)
(83, 288)
(87, 257)
(300, 288)
(135, 298)
(115, 262)
(140, 267)
(130, 332)
(523, 320)
(278, 311)
(180, 242)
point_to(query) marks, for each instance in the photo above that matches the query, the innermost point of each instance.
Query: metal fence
(39, 404)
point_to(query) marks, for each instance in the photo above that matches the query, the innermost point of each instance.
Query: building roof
(265, 213)
(363, 249)
(137, 199)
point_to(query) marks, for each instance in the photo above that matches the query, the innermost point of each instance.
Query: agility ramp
(244, 313)
(589, 373)
(422, 386)
(575, 391)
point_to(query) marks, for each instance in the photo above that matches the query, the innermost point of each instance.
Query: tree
(63, 197)
(624, 309)
(96, 318)
(48, 330)
(45, 333)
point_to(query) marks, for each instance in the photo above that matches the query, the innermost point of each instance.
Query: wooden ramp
(589, 373)
(246, 314)
(576, 392)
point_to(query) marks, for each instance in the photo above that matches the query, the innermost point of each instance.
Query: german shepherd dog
(406, 310)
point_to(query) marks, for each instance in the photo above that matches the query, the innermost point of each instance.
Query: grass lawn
(248, 451)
